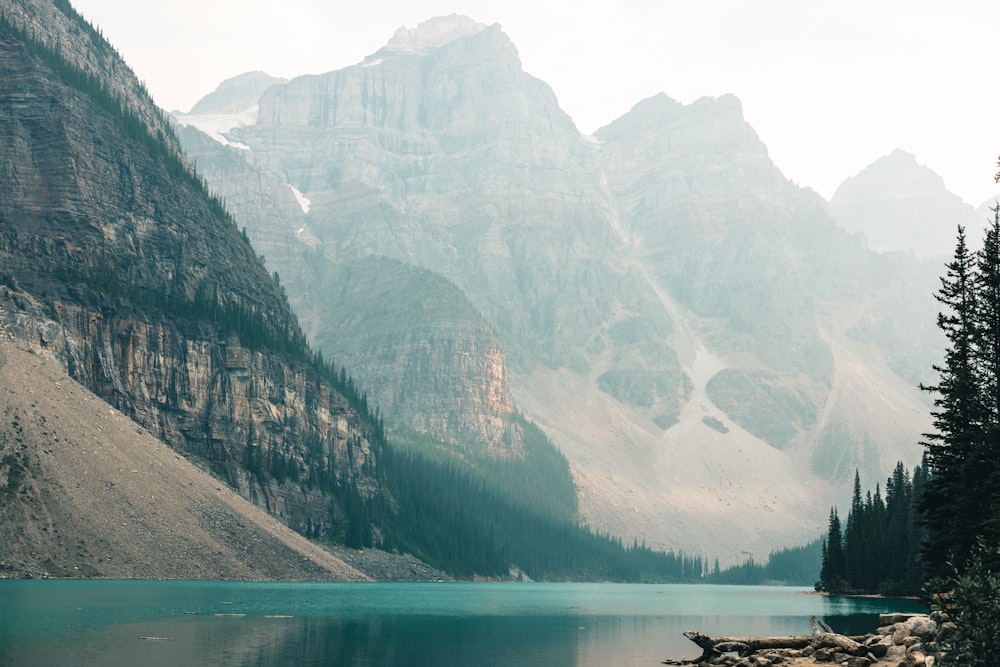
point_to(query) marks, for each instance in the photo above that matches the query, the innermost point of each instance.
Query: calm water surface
(221, 624)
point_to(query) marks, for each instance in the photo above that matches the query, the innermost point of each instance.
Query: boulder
(922, 626)
(885, 620)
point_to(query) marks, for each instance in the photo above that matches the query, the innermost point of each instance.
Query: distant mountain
(985, 211)
(237, 95)
(711, 352)
(898, 205)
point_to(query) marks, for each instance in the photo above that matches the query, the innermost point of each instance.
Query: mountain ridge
(655, 286)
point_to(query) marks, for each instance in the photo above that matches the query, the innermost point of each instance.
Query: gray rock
(893, 618)
(858, 661)
(922, 627)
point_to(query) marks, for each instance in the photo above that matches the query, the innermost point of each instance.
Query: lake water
(220, 624)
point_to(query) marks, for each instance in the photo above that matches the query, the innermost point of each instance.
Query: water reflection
(265, 625)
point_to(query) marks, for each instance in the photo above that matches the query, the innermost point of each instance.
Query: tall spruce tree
(902, 569)
(983, 466)
(854, 531)
(962, 415)
(833, 572)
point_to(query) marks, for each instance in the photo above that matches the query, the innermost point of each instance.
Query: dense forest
(877, 549)
(467, 526)
(792, 566)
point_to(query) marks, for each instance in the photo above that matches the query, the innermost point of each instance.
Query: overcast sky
(829, 86)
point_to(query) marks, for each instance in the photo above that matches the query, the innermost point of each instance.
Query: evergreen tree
(854, 555)
(833, 572)
(983, 467)
(960, 416)
(876, 549)
(902, 571)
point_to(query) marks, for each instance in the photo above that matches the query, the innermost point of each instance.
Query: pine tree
(983, 465)
(833, 572)
(854, 537)
(875, 549)
(959, 417)
(899, 533)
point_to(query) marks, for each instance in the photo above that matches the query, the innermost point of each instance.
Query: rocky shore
(902, 640)
(385, 566)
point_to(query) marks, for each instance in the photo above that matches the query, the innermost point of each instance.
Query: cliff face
(120, 268)
(426, 356)
(85, 493)
(710, 351)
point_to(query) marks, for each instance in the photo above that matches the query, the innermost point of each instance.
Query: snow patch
(303, 201)
(217, 126)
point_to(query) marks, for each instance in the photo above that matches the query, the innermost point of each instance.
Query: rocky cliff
(711, 352)
(119, 267)
(426, 354)
(84, 492)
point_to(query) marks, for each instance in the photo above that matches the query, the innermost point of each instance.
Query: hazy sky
(829, 86)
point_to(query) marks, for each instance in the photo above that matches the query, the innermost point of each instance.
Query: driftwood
(823, 637)
(713, 647)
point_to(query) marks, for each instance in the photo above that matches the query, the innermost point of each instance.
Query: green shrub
(976, 594)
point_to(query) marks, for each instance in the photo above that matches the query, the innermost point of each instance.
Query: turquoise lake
(219, 624)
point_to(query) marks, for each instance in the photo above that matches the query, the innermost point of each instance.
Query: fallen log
(822, 637)
(713, 647)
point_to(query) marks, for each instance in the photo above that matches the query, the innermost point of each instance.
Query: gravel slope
(85, 492)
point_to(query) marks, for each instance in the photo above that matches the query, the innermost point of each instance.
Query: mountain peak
(900, 205)
(236, 94)
(897, 173)
(433, 33)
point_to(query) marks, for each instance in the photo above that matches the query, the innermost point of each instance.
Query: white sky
(829, 86)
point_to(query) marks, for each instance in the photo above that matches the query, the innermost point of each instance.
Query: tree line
(790, 566)
(464, 524)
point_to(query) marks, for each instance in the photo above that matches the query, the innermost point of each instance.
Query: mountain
(713, 355)
(898, 205)
(119, 268)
